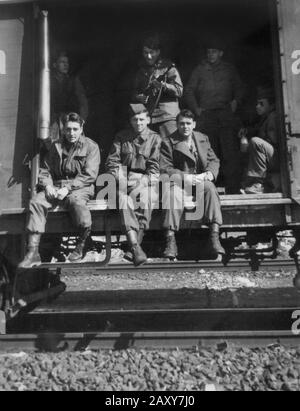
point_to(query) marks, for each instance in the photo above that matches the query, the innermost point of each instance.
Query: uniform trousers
(263, 158)
(75, 203)
(136, 207)
(208, 205)
(220, 126)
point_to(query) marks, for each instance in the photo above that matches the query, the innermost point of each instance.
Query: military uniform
(140, 154)
(77, 169)
(212, 88)
(67, 95)
(177, 159)
(164, 114)
(263, 148)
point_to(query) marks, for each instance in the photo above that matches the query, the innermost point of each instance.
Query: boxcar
(103, 39)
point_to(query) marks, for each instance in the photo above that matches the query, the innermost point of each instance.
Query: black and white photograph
(150, 198)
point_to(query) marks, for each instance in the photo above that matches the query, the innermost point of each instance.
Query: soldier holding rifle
(159, 87)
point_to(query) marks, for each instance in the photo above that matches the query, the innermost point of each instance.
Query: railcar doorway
(103, 40)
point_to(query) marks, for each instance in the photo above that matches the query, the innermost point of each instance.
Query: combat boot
(138, 255)
(171, 249)
(32, 256)
(77, 254)
(128, 255)
(214, 246)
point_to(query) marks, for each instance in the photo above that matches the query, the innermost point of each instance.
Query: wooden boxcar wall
(16, 104)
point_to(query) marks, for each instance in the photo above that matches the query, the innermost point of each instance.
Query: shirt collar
(143, 135)
(78, 146)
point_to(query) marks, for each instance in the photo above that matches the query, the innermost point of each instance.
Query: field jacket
(77, 165)
(167, 107)
(138, 152)
(213, 87)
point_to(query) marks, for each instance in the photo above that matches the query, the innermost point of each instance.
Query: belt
(62, 183)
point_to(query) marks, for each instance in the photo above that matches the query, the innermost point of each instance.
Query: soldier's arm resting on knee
(113, 163)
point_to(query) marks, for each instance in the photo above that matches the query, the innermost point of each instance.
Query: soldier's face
(150, 55)
(186, 126)
(263, 106)
(214, 56)
(62, 65)
(140, 122)
(72, 131)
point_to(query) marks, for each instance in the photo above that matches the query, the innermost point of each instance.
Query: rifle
(152, 93)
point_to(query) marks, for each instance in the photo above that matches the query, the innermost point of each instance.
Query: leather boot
(214, 246)
(128, 255)
(77, 254)
(138, 255)
(171, 249)
(32, 256)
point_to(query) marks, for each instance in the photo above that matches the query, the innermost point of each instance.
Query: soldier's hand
(233, 105)
(243, 133)
(141, 98)
(51, 192)
(144, 182)
(207, 176)
(62, 193)
(157, 85)
(198, 111)
(190, 179)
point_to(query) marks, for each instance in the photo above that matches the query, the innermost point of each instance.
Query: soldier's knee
(83, 218)
(209, 187)
(256, 142)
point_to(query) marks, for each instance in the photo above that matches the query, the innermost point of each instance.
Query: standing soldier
(67, 178)
(67, 95)
(214, 93)
(263, 145)
(159, 87)
(137, 149)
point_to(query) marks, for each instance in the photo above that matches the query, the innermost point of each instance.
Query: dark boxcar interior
(104, 43)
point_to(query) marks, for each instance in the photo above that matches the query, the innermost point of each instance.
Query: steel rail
(185, 328)
(267, 265)
(56, 342)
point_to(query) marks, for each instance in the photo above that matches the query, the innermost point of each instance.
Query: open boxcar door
(289, 31)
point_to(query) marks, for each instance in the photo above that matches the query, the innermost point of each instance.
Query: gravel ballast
(263, 369)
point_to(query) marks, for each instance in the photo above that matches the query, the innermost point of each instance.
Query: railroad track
(176, 266)
(73, 330)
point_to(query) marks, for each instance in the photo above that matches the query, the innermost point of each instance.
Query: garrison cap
(215, 43)
(265, 93)
(135, 109)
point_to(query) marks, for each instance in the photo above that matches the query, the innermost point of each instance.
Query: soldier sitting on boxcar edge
(134, 162)
(214, 92)
(158, 86)
(67, 178)
(67, 94)
(188, 159)
(263, 145)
